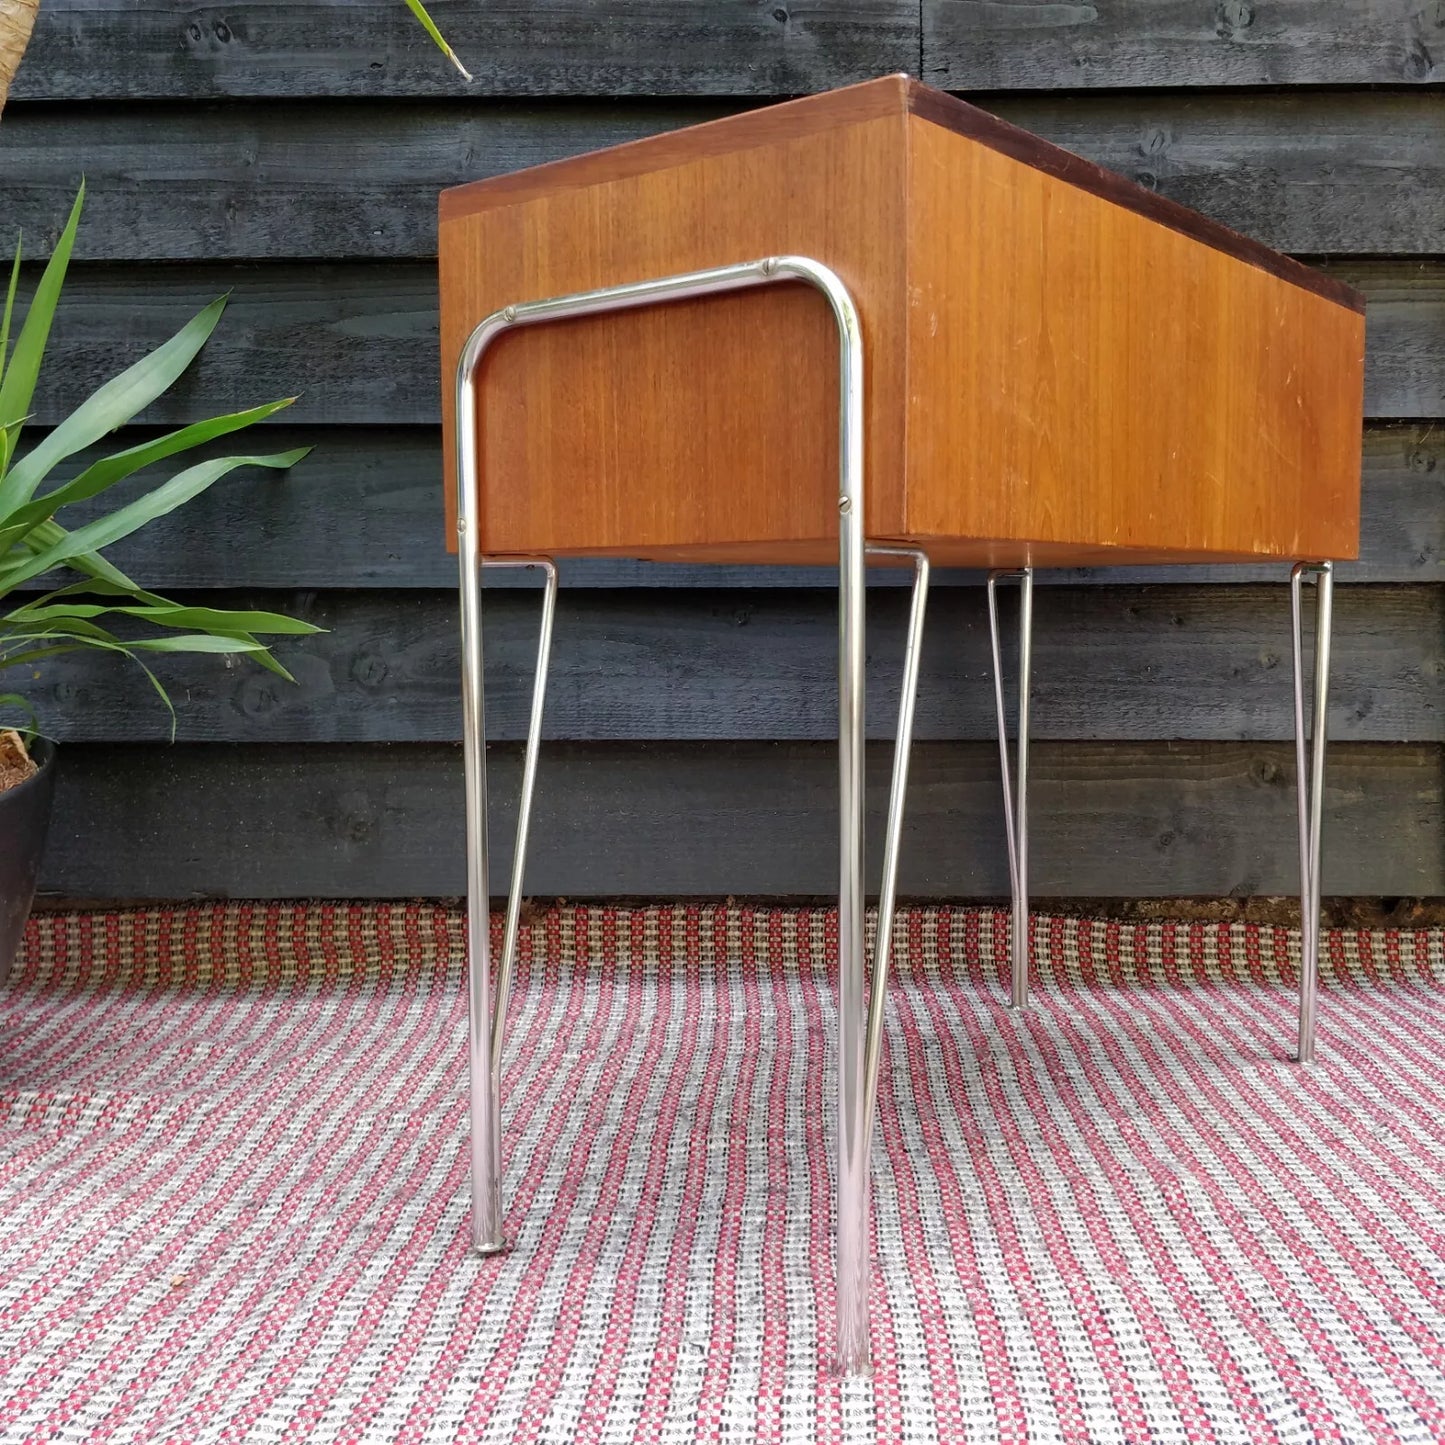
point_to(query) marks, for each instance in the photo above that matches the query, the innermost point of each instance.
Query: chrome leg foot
(486, 1024)
(1310, 781)
(1015, 796)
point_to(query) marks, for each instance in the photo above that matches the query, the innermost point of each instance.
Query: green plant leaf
(32, 542)
(59, 636)
(197, 642)
(96, 638)
(229, 622)
(67, 627)
(121, 523)
(220, 620)
(429, 25)
(14, 700)
(53, 648)
(111, 405)
(18, 384)
(9, 308)
(9, 435)
(91, 586)
(224, 620)
(104, 576)
(109, 470)
(268, 661)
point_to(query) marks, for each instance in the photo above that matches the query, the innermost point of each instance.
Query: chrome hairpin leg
(1310, 781)
(860, 1023)
(854, 1354)
(487, 1022)
(897, 795)
(1015, 816)
(852, 1123)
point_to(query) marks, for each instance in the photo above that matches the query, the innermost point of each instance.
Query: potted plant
(57, 591)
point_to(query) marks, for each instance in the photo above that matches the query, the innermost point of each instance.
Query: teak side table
(1034, 362)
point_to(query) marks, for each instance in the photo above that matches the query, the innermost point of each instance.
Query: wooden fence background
(291, 155)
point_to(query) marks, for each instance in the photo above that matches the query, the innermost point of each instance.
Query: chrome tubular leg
(853, 1135)
(1015, 797)
(1310, 782)
(485, 1144)
(853, 1352)
(524, 811)
(485, 1023)
(484, 1033)
(888, 892)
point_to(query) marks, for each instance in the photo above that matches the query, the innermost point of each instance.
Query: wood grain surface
(359, 342)
(134, 48)
(660, 820)
(1092, 372)
(364, 511)
(1309, 172)
(710, 423)
(1116, 662)
(1003, 44)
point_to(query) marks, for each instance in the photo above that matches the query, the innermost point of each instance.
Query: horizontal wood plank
(1321, 173)
(87, 49)
(1405, 335)
(364, 510)
(1026, 45)
(1127, 663)
(665, 820)
(360, 340)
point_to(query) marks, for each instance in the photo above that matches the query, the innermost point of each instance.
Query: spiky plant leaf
(17, 386)
(429, 25)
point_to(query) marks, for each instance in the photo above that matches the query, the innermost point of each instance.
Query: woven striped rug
(233, 1188)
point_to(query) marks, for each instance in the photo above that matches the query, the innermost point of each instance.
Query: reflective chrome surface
(524, 808)
(897, 796)
(1310, 781)
(485, 1038)
(1015, 796)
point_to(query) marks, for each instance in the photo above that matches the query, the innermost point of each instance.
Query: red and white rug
(233, 1189)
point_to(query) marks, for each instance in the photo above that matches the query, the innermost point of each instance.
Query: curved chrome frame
(860, 1019)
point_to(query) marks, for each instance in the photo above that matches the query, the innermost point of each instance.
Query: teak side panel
(710, 420)
(1059, 369)
(1100, 380)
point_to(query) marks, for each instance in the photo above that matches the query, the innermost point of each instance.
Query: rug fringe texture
(233, 1190)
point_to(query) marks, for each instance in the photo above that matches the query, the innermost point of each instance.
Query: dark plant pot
(24, 820)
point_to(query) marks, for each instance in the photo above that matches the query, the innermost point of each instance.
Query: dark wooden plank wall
(291, 154)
